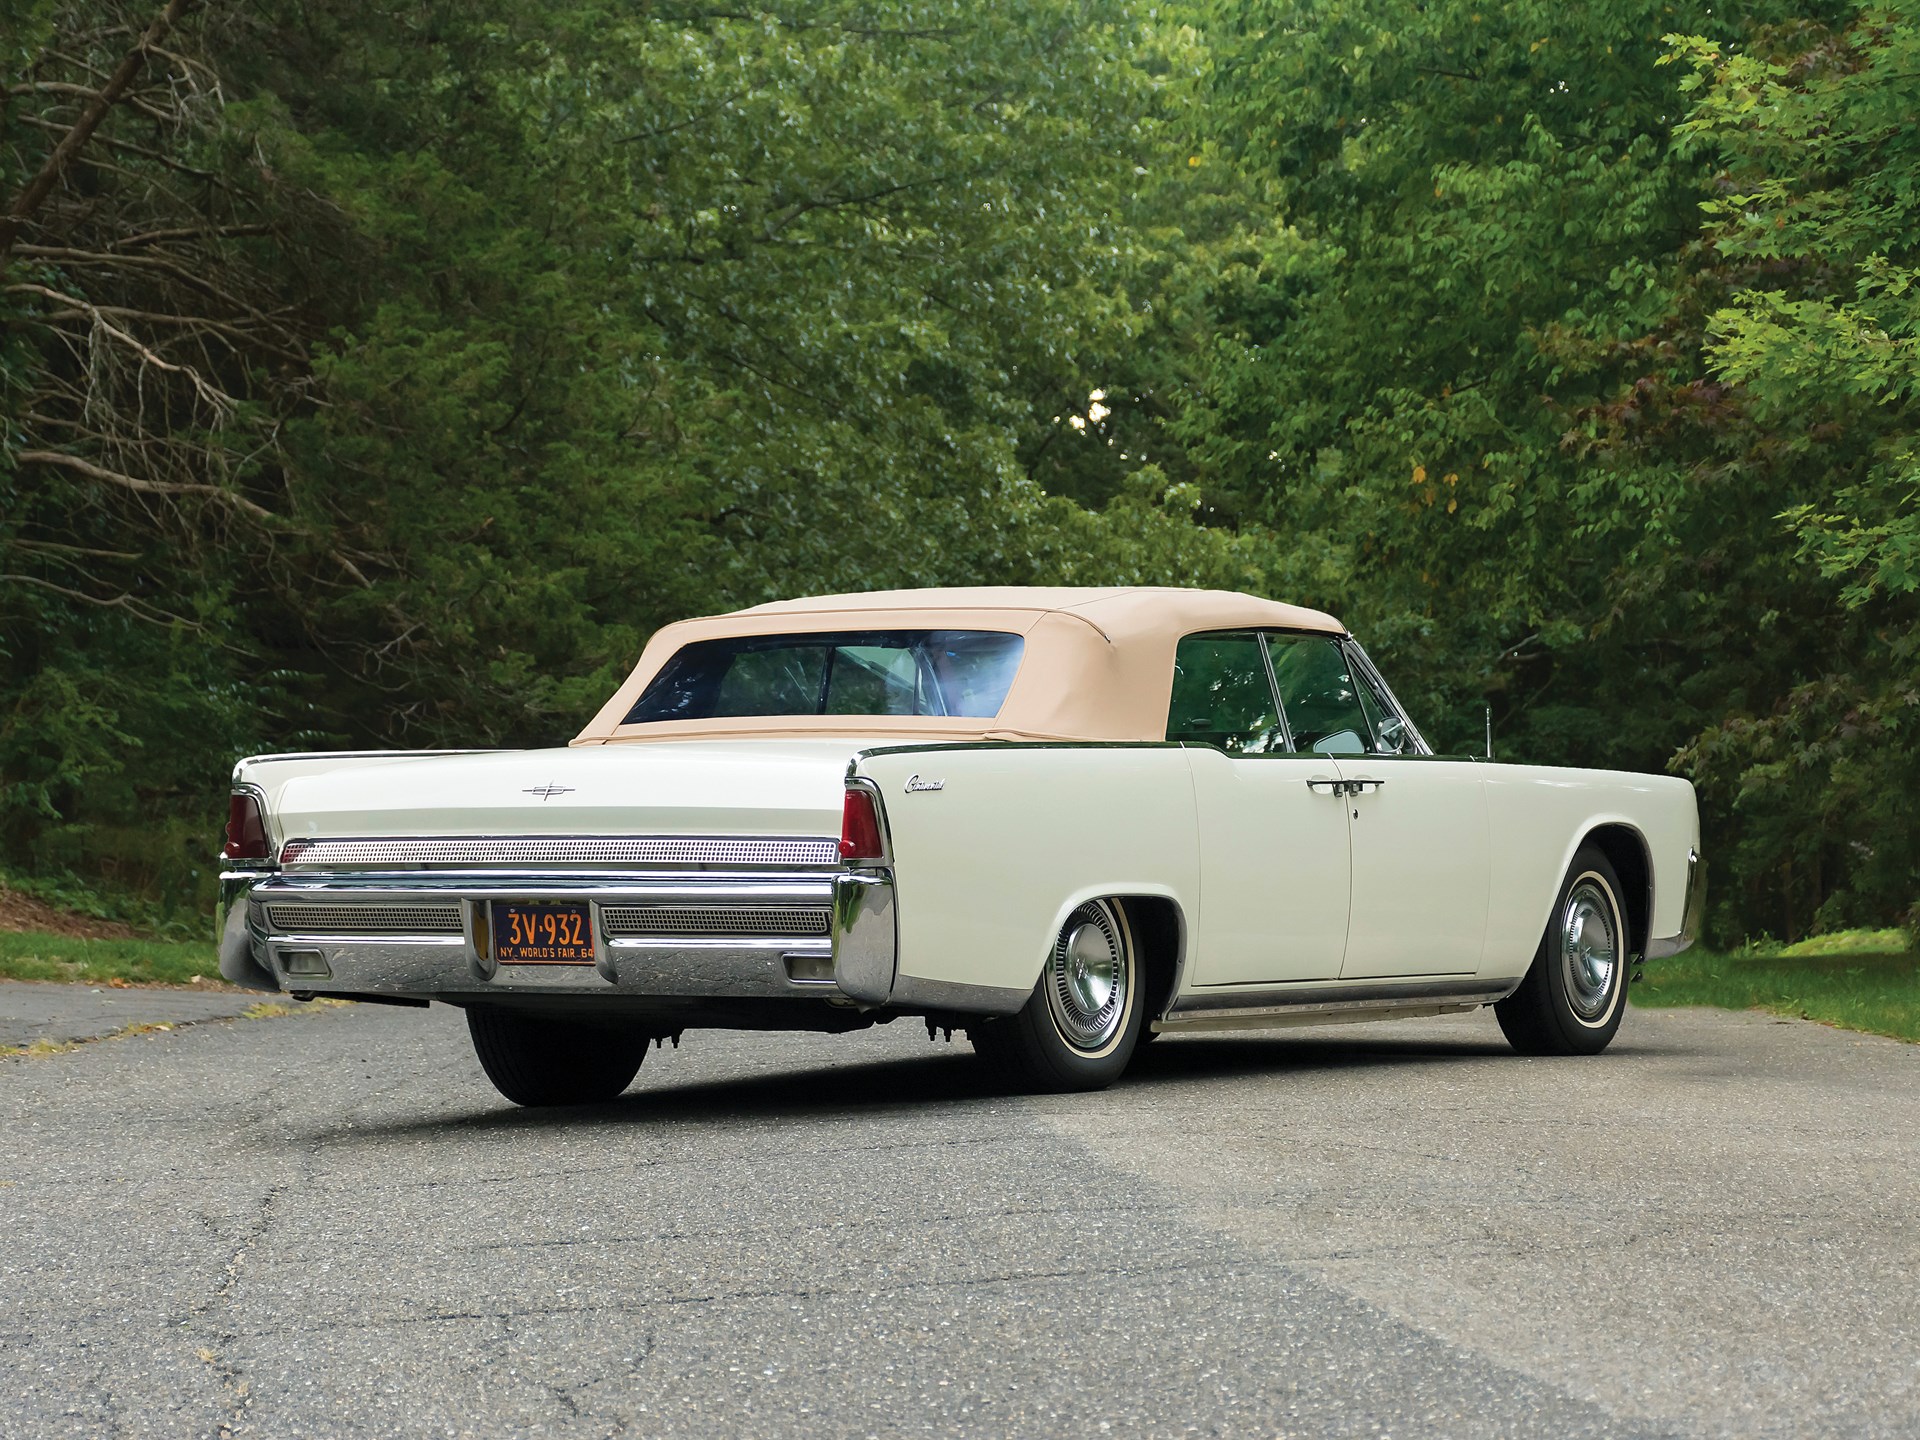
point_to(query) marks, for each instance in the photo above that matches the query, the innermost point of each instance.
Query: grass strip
(1878, 993)
(29, 955)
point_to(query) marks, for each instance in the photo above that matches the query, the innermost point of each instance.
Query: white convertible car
(1061, 820)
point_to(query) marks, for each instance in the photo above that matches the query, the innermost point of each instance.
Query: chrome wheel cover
(1090, 977)
(1590, 950)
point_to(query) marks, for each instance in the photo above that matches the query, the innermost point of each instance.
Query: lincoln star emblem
(915, 783)
(547, 792)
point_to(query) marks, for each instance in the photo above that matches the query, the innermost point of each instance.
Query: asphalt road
(34, 1011)
(329, 1225)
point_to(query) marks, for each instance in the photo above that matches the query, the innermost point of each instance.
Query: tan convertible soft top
(1098, 663)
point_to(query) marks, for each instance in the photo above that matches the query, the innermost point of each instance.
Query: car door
(1417, 824)
(1274, 870)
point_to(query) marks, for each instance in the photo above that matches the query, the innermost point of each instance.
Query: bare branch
(163, 263)
(148, 487)
(221, 402)
(129, 602)
(133, 100)
(20, 543)
(191, 232)
(38, 188)
(114, 142)
(238, 335)
(188, 63)
(174, 488)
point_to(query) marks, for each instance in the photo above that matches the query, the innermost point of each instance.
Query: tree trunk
(41, 185)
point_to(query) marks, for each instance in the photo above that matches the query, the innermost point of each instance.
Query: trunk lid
(711, 787)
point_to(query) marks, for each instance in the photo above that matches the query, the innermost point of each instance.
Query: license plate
(526, 934)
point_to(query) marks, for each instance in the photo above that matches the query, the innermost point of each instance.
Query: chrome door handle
(1344, 787)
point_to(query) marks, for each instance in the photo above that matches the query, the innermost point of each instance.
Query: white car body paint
(1385, 869)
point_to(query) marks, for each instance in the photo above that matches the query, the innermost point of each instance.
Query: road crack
(44, 1047)
(254, 1234)
(233, 1381)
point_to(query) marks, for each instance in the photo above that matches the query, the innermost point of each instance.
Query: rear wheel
(1080, 1026)
(533, 1060)
(1576, 990)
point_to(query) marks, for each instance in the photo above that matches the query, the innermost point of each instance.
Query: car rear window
(854, 672)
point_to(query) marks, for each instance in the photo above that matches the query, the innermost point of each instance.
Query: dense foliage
(384, 374)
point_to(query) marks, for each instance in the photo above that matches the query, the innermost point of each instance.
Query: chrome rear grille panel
(685, 922)
(637, 850)
(364, 919)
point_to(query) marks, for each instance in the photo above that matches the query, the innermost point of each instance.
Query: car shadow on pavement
(1203, 1056)
(950, 1077)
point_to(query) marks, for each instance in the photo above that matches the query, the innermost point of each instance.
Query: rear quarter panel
(987, 868)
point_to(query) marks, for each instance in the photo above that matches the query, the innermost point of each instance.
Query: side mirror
(1391, 738)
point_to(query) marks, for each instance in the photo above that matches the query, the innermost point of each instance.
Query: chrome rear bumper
(415, 936)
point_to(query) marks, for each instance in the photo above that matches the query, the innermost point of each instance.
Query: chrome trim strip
(700, 944)
(247, 760)
(1311, 1015)
(675, 851)
(866, 940)
(936, 747)
(378, 890)
(1322, 999)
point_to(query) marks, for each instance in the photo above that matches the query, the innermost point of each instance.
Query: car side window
(1321, 696)
(1221, 695)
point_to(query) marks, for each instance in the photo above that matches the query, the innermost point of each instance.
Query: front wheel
(533, 1060)
(1080, 1026)
(1576, 990)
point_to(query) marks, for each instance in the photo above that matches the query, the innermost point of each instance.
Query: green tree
(1815, 216)
(1469, 357)
(449, 349)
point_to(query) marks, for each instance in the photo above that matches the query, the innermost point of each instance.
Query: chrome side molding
(1233, 1007)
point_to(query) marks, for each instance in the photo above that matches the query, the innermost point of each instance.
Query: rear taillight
(246, 828)
(860, 827)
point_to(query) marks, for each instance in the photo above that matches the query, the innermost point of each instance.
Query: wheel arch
(1627, 851)
(1126, 892)
(1158, 923)
(1159, 929)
